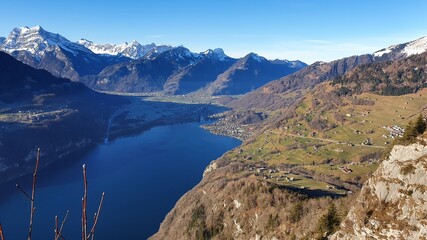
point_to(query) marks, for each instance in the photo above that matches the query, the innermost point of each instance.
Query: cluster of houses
(36, 116)
(395, 131)
(229, 129)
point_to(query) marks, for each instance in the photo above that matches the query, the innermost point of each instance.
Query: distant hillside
(40, 110)
(286, 90)
(199, 74)
(249, 73)
(143, 75)
(386, 78)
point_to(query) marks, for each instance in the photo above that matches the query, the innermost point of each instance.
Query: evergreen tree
(410, 133)
(328, 223)
(420, 125)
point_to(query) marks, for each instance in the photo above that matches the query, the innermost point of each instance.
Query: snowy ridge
(217, 53)
(182, 53)
(257, 57)
(406, 49)
(416, 47)
(132, 50)
(293, 64)
(36, 41)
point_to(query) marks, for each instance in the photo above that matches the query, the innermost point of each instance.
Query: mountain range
(132, 67)
(133, 50)
(54, 53)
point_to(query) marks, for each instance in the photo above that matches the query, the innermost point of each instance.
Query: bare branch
(1, 233)
(95, 222)
(23, 192)
(33, 193)
(59, 232)
(56, 228)
(84, 205)
(63, 222)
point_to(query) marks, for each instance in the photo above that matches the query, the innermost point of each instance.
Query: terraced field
(331, 143)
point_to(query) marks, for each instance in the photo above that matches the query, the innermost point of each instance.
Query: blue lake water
(143, 176)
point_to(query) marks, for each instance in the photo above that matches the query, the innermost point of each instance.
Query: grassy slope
(293, 146)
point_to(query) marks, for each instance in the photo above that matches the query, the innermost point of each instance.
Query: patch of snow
(416, 47)
(257, 57)
(37, 41)
(132, 50)
(217, 53)
(407, 49)
(382, 52)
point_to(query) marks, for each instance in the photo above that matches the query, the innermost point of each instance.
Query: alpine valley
(329, 150)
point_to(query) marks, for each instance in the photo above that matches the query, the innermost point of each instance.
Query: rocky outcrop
(393, 203)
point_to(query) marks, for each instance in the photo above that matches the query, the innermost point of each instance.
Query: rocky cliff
(393, 203)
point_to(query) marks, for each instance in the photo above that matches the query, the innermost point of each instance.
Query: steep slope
(200, 74)
(286, 90)
(229, 204)
(249, 73)
(392, 204)
(132, 50)
(143, 75)
(40, 110)
(54, 53)
(387, 78)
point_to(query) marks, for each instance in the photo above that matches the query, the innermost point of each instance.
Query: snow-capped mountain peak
(406, 49)
(217, 53)
(132, 50)
(36, 40)
(256, 57)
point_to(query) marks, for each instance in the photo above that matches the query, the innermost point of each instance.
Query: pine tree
(328, 223)
(410, 133)
(420, 125)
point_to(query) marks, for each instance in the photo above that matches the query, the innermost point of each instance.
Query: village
(32, 116)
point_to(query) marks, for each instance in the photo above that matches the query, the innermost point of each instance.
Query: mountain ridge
(94, 63)
(45, 50)
(133, 50)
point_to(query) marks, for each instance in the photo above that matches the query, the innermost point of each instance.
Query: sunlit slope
(326, 140)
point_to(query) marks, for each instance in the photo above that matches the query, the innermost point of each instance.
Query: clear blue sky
(308, 30)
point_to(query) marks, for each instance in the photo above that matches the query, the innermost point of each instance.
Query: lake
(142, 176)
